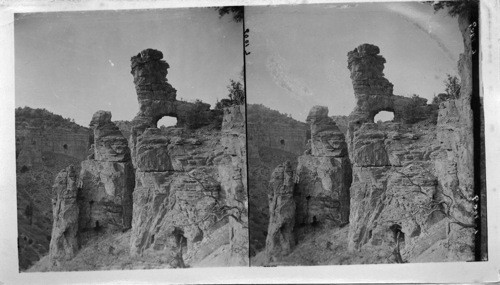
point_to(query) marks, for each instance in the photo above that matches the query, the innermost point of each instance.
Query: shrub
(413, 111)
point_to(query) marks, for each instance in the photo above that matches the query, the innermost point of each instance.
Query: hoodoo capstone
(157, 98)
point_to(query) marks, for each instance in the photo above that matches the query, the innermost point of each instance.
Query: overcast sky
(299, 53)
(75, 63)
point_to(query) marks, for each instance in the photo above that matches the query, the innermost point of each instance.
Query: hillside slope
(45, 143)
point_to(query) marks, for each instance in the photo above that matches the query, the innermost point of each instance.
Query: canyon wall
(45, 143)
(32, 143)
(273, 138)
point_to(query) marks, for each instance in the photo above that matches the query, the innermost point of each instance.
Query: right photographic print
(364, 133)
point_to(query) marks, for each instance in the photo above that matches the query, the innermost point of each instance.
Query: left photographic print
(130, 139)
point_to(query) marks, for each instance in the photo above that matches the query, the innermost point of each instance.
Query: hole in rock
(97, 226)
(180, 238)
(152, 238)
(383, 116)
(308, 198)
(24, 169)
(315, 221)
(282, 142)
(397, 234)
(65, 146)
(166, 122)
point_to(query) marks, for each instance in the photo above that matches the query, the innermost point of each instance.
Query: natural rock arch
(167, 121)
(383, 116)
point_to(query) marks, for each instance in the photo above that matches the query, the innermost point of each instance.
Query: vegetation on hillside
(258, 113)
(27, 117)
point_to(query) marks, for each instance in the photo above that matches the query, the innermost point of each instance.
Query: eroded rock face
(232, 176)
(190, 195)
(323, 177)
(64, 240)
(412, 184)
(106, 180)
(109, 143)
(280, 237)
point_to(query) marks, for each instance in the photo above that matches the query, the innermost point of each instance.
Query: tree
(236, 95)
(452, 89)
(237, 11)
(455, 8)
(452, 85)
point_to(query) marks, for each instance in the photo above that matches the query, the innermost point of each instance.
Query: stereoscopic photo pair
(289, 135)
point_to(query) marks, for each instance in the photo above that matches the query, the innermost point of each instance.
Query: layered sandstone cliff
(190, 193)
(410, 181)
(412, 184)
(180, 190)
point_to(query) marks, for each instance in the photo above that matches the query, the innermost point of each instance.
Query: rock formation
(190, 192)
(232, 170)
(412, 182)
(182, 190)
(157, 98)
(323, 175)
(107, 180)
(64, 241)
(318, 192)
(373, 92)
(280, 238)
